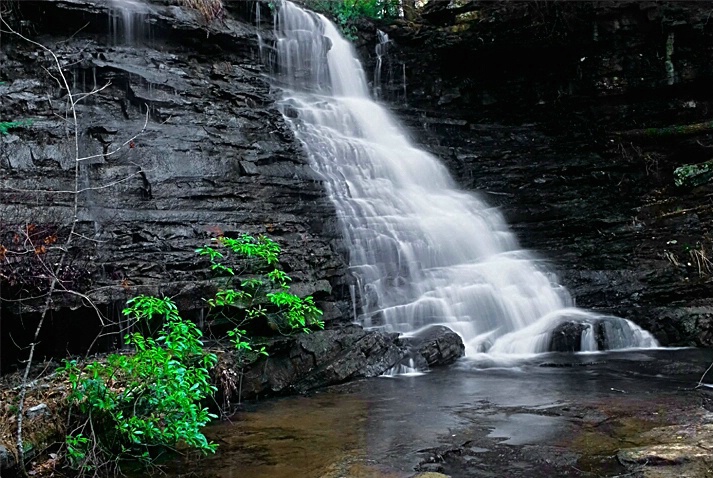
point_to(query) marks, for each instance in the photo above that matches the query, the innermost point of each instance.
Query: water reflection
(381, 427)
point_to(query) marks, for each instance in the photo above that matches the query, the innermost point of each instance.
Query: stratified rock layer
(184, 143)
(328, 357)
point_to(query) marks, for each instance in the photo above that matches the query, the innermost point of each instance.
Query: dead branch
(53, 273)
(668, 132)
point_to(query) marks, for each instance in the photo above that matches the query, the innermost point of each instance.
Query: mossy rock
(692, 175)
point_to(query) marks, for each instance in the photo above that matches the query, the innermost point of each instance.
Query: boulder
(437, 345)
(322, 358)
(567, 337)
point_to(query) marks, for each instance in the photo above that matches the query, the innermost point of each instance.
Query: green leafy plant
(6, 126)
(347, 12)
(693, 174)
(134, 406)
(255, 288)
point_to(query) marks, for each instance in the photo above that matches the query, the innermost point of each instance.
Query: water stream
(128, 24)
(422, 251)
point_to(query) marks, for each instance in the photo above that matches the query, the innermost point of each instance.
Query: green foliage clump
(693, 174)
(255, 288)
(133, 406)
(347, 12)
(6, 126)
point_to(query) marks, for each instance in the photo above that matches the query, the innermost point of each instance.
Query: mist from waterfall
(422, 251)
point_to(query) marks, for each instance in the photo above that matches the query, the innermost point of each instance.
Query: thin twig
(54, 274)
(700, 382)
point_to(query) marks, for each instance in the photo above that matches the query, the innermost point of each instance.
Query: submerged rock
(678, 451)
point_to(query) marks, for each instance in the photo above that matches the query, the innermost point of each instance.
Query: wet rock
(430, 474)
(567, 337)
(431, 470)
(437, 345)
(322, 358)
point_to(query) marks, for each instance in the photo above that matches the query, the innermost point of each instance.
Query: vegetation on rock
(347, 12)
(693, 174)
(252, 288)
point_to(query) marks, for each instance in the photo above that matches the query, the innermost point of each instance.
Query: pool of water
(550, 415)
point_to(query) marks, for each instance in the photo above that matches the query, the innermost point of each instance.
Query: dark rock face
(339, 354)
(543, 109)
(437, 345)
(322, 358)
(184, 143)
(567, 337)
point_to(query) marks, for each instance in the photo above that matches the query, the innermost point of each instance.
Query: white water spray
(422, 251)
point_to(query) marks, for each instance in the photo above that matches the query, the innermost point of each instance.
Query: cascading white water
(381, 49)
(422, 251)
(128, 21)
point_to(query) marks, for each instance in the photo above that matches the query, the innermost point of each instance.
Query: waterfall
(128, 21)
(422, 251)
(381, 49)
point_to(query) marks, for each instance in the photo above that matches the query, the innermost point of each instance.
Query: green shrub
(347, 12)
(254, 288)
(134, 406)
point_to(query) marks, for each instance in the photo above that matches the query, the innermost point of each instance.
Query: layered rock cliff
(540, 106)
(184, 143)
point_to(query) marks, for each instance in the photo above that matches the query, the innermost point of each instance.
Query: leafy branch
(131, 407)
(255, 288)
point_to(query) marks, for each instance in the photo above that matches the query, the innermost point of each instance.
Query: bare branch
(53, 274)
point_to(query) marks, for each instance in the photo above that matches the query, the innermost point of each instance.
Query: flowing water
(422, 251)
(128, 22)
